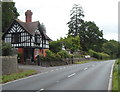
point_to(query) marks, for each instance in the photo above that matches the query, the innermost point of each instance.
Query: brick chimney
(28, 15)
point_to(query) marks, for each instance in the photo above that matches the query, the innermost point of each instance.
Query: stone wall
(58, 63)
(9, 64)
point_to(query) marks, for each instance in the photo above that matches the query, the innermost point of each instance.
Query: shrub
(58, 57)
(63, 54)
(103, 56)
(6, 49)
(50, 56)
(55, 46)
(42, 58)
(98, 55)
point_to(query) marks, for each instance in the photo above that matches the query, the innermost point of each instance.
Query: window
(16, 38)
(37, 39)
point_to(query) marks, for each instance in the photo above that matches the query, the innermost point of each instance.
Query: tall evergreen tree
(9, 13)
(75, 20)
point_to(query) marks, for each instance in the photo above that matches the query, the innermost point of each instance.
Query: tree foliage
(111, 48)
(43, 28)
(69, 43)
(98, 55)
(63, 54)
(90, 36)
(9, 13)
(75, 20)
(55, 46)
(72, 43)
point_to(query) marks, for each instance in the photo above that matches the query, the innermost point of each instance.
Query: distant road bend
(88, 76)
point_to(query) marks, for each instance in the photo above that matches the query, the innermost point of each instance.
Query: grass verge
(87, 61)
(7, 78)
(116, 76)
(82, 62)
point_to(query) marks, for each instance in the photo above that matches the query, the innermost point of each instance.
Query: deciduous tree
(72, 43)
(91, 37)
(111, 48)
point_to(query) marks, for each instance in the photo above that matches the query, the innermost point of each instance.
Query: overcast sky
(55, 14)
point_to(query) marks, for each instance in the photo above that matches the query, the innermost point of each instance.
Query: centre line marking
(71, 75)
(85, 68)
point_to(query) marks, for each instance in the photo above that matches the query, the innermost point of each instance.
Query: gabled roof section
(29, 27)
(46, 37)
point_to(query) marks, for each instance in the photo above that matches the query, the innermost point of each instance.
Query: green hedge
(50, 56)
(98, 55)
(63, 54)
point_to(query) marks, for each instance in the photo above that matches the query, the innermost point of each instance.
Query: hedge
(98, 55)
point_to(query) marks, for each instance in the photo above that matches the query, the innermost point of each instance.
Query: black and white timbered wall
(19, 37)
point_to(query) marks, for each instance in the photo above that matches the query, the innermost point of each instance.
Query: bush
(103, 56)
(63, 54)
(98, 55)
(55, 46)
(58, 57)
(6, 49)
(50, 56)
(42, 58)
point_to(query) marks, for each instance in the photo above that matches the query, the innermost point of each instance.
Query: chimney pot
(28, 15)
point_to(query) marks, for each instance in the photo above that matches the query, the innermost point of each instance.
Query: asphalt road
(88, 76)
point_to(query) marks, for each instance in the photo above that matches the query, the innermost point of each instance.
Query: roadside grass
(82, 62)
(7, 78)
(116, 76)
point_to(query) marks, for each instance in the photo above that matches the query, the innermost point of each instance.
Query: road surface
(88, 76)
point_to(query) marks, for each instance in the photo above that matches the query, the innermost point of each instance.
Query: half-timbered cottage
(27, 37)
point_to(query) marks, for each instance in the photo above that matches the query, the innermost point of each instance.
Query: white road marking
(71, 75)
(85, 68)
(52, 70)
(110, 79)
(40, 90)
